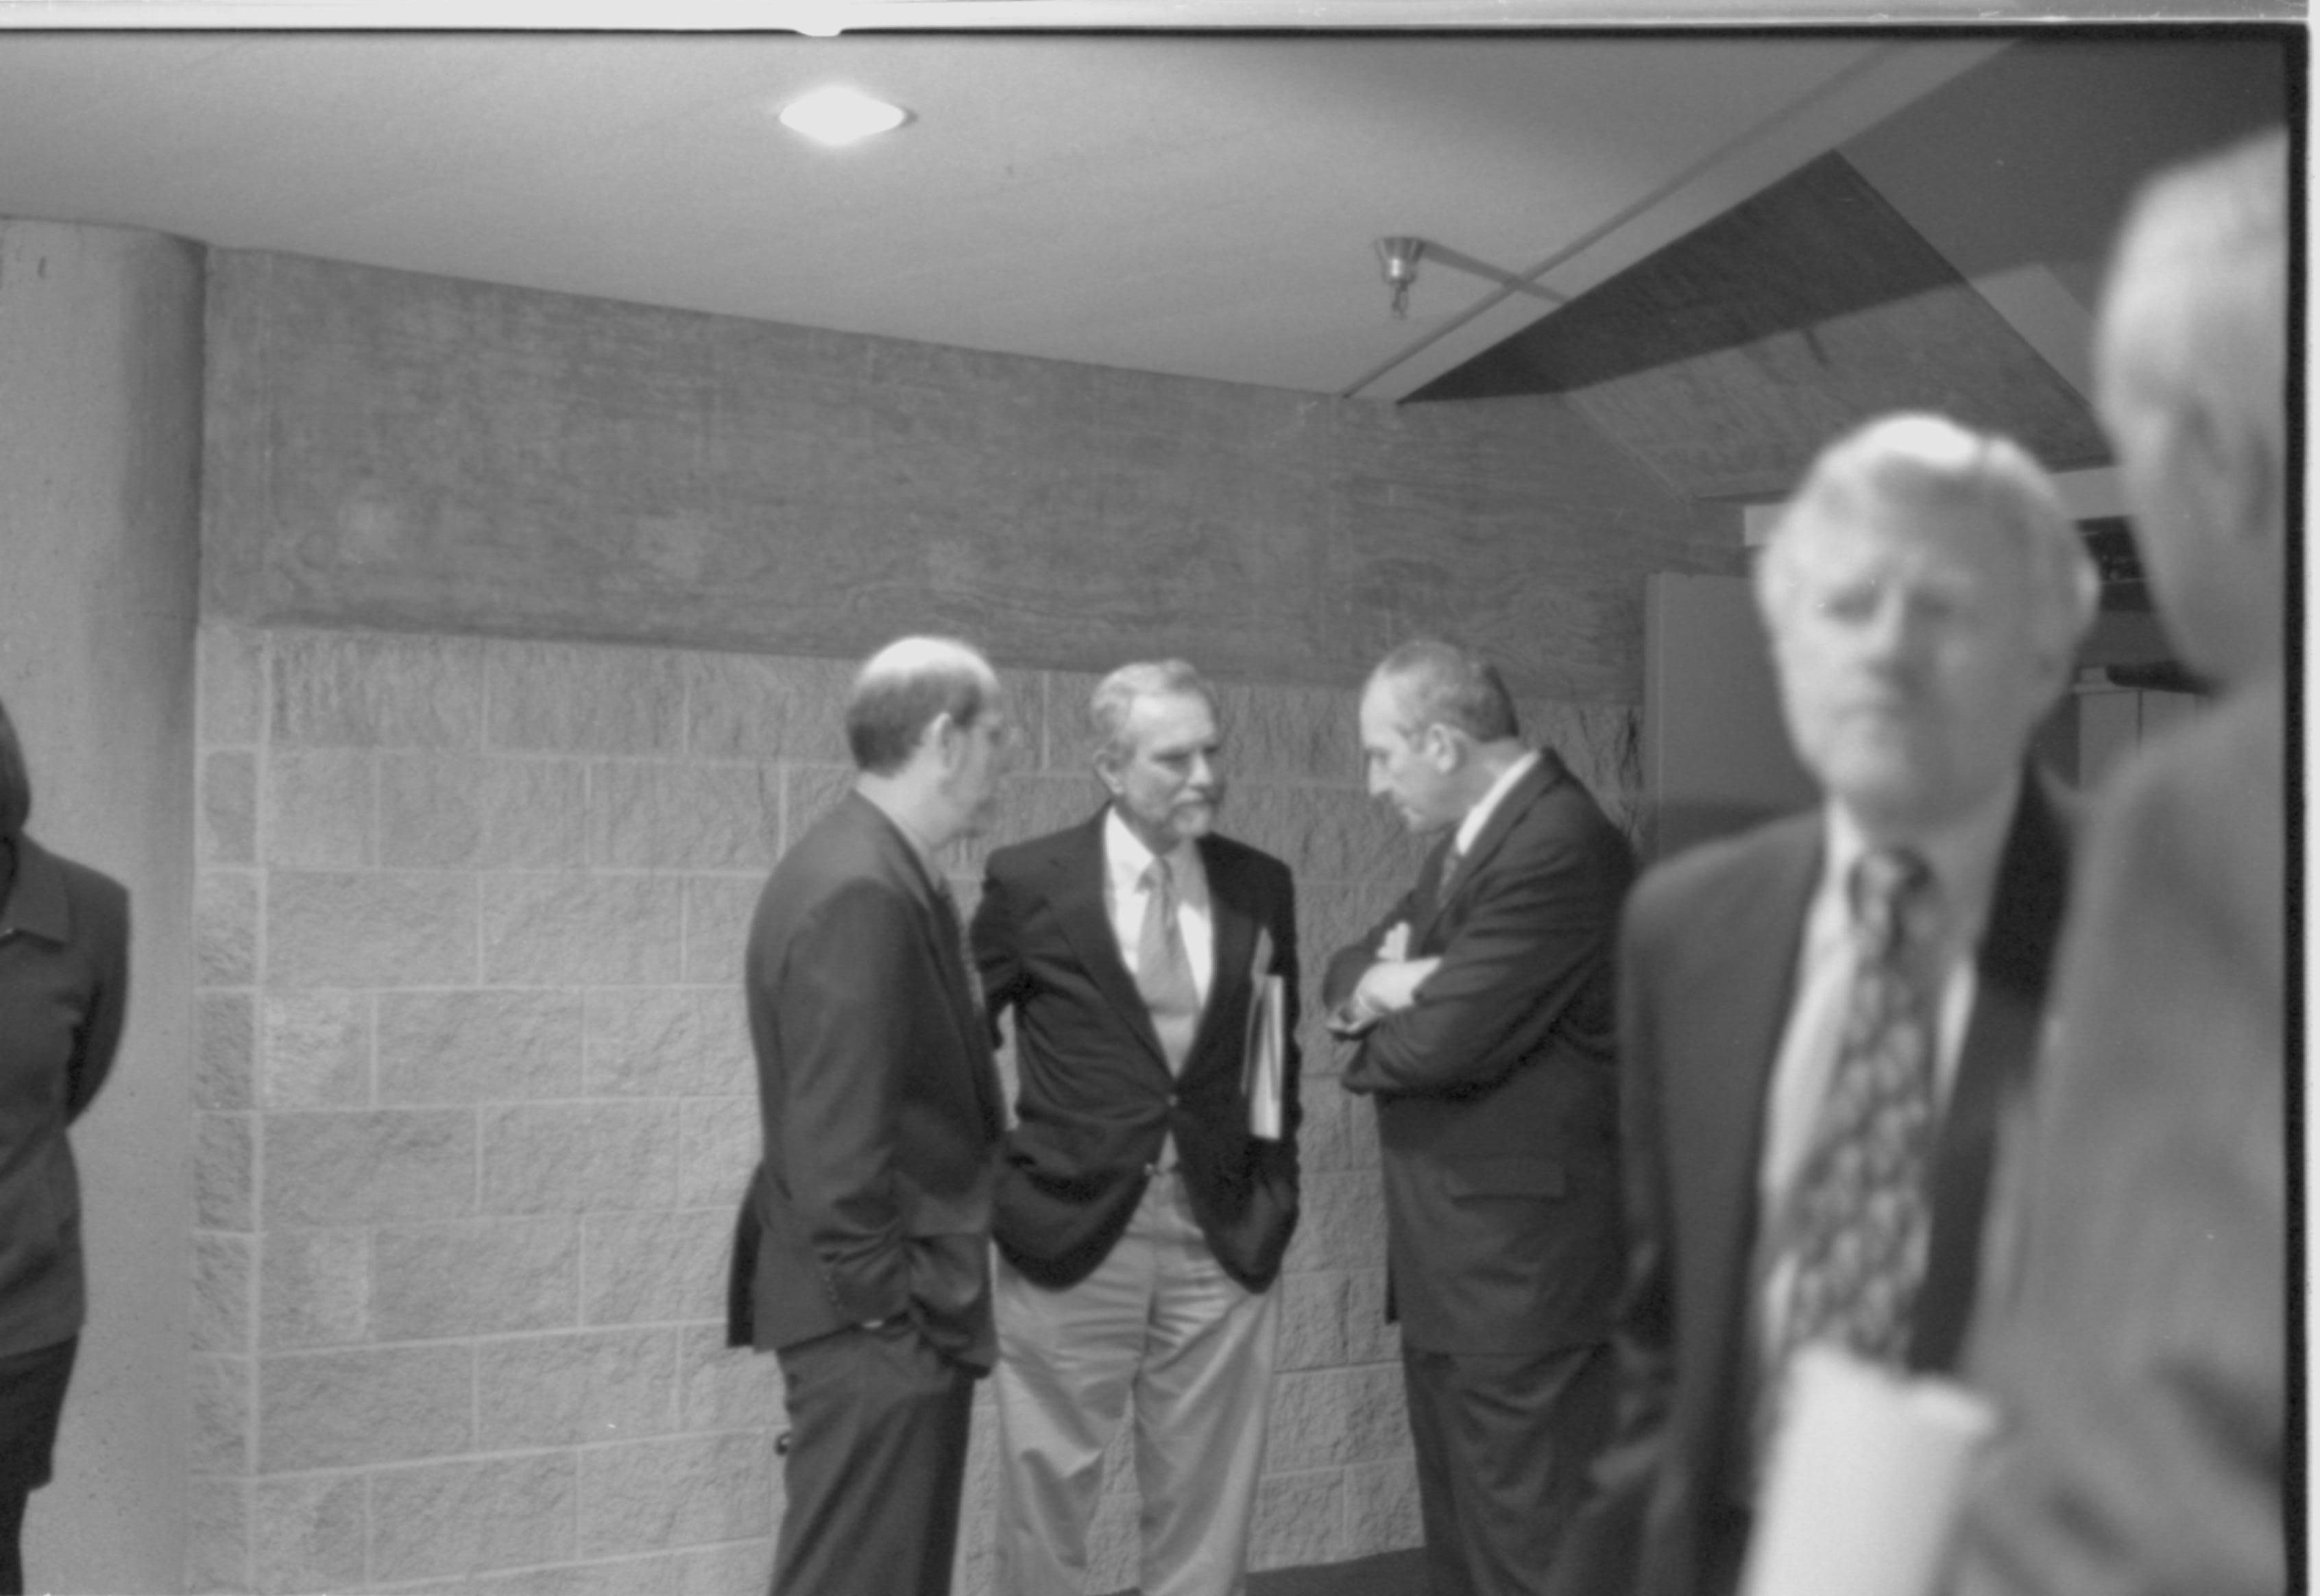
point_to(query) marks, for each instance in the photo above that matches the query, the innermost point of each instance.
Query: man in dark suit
(1822, 1020)
(1484, 1007)
(1150, 1186)
(2137, 1348)
(861, 1256)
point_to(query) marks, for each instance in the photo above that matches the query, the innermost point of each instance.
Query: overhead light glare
(835, 116)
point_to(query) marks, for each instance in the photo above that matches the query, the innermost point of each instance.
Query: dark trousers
(1502, 1449)
(877, 1459)
(31, 1399)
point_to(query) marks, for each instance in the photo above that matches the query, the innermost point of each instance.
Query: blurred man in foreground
(2138, 1351)
(1821, 1020)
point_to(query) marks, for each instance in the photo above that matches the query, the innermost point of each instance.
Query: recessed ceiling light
(841, 117)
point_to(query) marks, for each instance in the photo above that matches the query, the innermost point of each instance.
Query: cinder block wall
(476, 1105)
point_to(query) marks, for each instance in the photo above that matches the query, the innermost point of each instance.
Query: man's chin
(1194, 821)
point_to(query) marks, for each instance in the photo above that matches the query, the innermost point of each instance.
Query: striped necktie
(1164, 971)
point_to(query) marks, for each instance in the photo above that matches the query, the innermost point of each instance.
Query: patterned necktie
(1858, 1217)
(1163, 972)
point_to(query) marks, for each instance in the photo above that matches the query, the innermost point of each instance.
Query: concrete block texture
(653, 1496)
(670, 1041)
(370, 929)
(314, 1288)
(566, 1158)
(340, 1410)
(225, 1050)
(225, 928)
(478, 1045)
(570, 699)
(665, 816)
(227, 811)
(384, 1166)
(225, 1172)
(371, 690)
(449, 812)
(655, 1268)
(478, 1277)
(462, 1516)
(230, 676)
(321, 807)
(317, 1049)
(572, 929)
(310, 1533)
(588, 1386)
(224, 1287)
(217, 1538)
(717, 911)
(478, 1104)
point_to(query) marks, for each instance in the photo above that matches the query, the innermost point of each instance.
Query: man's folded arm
(1529, 946)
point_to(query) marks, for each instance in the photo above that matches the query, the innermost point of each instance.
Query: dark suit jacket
(64, 988)
(1497, 1095)
(2137, 1340)
(1709, 952)
(1096, 1096)
(880, 1105)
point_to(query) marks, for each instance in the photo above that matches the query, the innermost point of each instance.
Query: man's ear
(1444, 751)
(944, 736)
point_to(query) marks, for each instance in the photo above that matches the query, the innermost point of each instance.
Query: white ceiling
(1203, 205)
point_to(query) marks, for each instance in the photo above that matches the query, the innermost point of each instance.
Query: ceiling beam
(1884, 77)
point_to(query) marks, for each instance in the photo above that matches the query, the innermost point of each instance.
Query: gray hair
(1114, 700)
(1445, 683)
(1930, 462)
(2194, 306)
(903, 687)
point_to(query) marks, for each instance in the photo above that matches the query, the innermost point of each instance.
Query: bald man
(862, 1253)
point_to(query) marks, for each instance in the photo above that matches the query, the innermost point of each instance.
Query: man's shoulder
(852, 845)
(1013, 859)
(2227, 760)
(1218, 850)
(1728, 867)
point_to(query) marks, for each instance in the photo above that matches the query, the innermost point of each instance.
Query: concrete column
(101, 341)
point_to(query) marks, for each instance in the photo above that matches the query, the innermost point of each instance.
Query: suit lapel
(945, 945)
(1234, 919)
(1524, 793)
(2011, 968)
(1076, 890)
(1732, 999)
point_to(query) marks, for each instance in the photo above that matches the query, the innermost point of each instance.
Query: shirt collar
(37, 902)
(1126, 857)
(919, 850)
(1480, 815)
(1963, 855)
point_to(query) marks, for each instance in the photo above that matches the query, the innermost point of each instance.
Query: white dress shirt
(1964, 857)
(1126, 859)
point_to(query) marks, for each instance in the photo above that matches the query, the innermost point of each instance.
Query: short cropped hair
(1438, 683)
(901, 688)
(16, 782)
(1114, 700)
(1930, 462)
(2194, 306)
